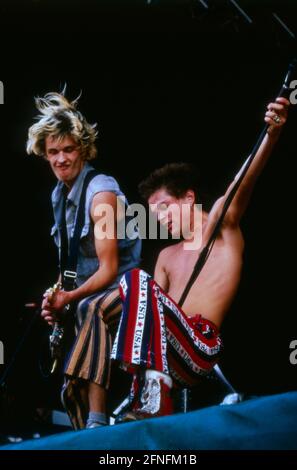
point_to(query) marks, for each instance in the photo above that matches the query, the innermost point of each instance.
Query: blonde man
(66, 140)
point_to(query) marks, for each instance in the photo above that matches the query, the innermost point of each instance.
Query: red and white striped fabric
(154, 333)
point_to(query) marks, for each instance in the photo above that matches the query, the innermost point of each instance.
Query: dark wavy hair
(176, 178)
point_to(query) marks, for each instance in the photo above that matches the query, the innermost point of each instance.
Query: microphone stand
(205, 252)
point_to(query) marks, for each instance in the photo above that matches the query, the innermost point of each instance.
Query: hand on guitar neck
(55, 303)
(55, 306)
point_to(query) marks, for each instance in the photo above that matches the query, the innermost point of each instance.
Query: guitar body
(57, 337)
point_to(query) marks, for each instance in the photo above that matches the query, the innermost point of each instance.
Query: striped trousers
(155, 333)
(96, 322)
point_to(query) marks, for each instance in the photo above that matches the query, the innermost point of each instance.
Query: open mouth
(63, 168)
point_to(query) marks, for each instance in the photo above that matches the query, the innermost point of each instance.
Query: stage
(265, 423)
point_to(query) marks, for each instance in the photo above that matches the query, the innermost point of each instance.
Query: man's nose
(61, 157)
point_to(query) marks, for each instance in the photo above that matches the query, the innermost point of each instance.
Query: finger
(270, 114)
(46, 306)
(279, 118)
(275, 117)
(279, 108)
(271, 122)
(280, 112)
(283, 101)
(45, 313)
(49, 320)
(276, 107)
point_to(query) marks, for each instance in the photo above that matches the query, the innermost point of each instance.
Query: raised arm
(276, 117)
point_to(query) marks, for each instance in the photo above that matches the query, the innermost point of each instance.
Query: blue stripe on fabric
(124, 320)
(148, 329)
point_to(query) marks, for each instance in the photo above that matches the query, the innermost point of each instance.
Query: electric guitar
(58, 331)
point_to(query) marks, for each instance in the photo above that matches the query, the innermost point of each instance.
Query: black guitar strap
(69, 251)
(205, 252)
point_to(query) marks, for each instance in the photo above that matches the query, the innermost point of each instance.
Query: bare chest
(215, 285)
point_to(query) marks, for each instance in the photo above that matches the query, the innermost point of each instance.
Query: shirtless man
(171, 345)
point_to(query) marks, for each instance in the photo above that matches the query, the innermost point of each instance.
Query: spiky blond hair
(59, 118)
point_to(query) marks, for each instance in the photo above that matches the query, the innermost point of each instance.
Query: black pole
(205, 252)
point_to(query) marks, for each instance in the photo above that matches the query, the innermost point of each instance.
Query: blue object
(266, 423)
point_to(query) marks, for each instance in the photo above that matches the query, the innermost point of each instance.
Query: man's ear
(190, 197)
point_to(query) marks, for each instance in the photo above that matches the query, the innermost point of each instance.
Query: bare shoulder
(164, 262)
(104, 197)
(168, 252)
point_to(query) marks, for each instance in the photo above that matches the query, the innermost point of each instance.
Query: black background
(165, 82)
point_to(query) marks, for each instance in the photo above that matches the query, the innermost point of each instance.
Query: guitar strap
(69, 250)
(205, 252)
